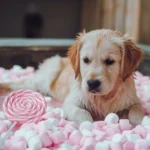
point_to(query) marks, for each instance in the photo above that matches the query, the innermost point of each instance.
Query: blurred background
(32, 30)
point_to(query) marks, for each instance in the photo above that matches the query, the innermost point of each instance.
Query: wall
(61, 17)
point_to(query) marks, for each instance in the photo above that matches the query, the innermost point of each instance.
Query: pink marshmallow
(62, 122)
(141, 145)
(75, 137)
(140, 130)
(125, 124)
(46, 141)
(88, 147)
(128, 146)
(48, 115)
(99, 124)
(69, 128)
(3, 127)
(90, 141)
(116, 146)
(57, 137)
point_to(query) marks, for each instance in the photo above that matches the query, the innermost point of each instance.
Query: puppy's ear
(74, 54)
(131, 57)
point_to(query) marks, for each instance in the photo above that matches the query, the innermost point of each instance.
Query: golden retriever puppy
(96, 79)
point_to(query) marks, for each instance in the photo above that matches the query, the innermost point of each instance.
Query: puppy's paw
(78, 115)
(136, 114)
(82, 116)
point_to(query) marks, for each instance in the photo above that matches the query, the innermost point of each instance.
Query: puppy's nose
(93, 84)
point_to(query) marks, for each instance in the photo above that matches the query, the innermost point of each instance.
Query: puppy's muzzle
(93, 85)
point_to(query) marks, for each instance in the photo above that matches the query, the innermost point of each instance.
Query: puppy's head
(102, 57)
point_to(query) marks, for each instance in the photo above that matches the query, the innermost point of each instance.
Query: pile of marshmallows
(54, 132)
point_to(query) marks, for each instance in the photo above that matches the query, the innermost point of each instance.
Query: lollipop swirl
(24, 106)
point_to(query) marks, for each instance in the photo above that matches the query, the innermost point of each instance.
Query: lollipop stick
(10, 129)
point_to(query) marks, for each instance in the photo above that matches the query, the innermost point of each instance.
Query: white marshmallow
(1, 143)
(86, 132)
(119, 138)
(148, 137)
(29, 134)
(133, 137)
(17, 68)
(20, 132)
(49, 109)
(146, 121)
(66, 145)
(52, 121)
(102, 146)
(35, 143)
(9, 123)
(2, 115)
(43, 126)
(86, 125)
(112, 118)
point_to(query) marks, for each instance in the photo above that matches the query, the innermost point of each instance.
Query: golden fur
(68, 80)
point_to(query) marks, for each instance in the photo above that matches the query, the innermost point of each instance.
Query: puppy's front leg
(136, 114)
(74, 111)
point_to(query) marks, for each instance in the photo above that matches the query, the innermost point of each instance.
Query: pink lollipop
(24, 106)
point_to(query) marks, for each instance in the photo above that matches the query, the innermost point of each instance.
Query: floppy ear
(74, 54)
(131, 57)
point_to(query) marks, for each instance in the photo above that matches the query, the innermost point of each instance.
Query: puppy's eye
(109, 61)
(86, 60)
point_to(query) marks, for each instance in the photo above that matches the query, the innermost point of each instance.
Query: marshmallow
(3, 127)
(89, 141)
(43, 126)
(102, 146)
(20, 133)
(119, 138)
(2, 115)
(98, 132)
(140, 130)
(141, 145)
(146, 121)
(57, 137)
(46, 141)
(69, 128)
(52, 121)
(62, 122)
(112, 118)
(66, 145)
(86, 132)
(86, 125)
(148, 137)
(35, 143)
(125, 124)
(18, 145)
(75, 137)
(99, 124)
(133, 137)
(88, 147)
(128, 146)
(1, 143)
(29, 134)
(48, 109)
(9, 123)
(116, 146)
